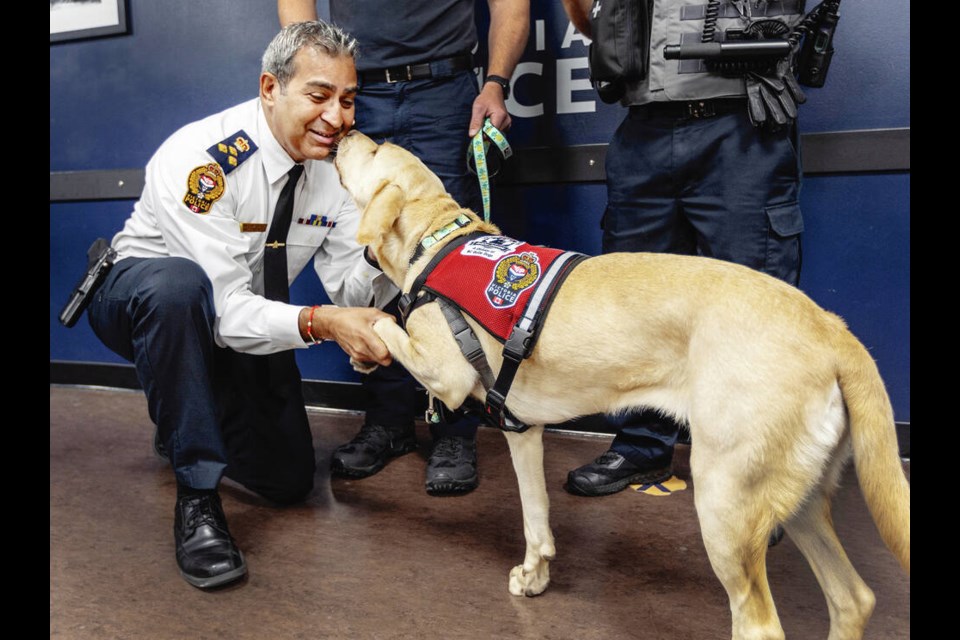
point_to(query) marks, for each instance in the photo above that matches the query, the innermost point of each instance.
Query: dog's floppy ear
(381, 212)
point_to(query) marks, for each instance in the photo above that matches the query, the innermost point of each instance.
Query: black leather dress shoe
(610, 473)
(206, 553)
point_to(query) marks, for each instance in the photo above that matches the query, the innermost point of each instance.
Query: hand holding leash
(491, 105)
(477, 159)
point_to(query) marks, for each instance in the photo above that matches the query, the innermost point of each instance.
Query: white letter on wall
(566, 85)
(521, 110)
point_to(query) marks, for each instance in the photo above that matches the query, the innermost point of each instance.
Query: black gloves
(773, 96)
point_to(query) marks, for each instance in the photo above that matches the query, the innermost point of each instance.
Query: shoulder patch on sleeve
(204, 187)
(232, 150)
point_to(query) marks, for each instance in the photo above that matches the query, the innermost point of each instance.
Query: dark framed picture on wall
(76, 19)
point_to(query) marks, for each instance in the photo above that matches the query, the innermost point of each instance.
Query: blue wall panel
(73, 227)
(856, 263)
(113, 100)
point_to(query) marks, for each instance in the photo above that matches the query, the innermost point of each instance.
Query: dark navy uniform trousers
(714, 186)
(218, 412)
(430, 118)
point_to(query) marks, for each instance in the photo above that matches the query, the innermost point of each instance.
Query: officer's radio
(817, 51)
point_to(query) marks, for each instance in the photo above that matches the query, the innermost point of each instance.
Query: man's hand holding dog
(352, 329)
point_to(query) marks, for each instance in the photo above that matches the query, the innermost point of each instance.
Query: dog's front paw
(529, 583)
(363, 367)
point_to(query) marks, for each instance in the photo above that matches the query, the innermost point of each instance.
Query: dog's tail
(876, 452)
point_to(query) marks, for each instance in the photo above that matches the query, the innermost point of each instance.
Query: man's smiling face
(315, 109)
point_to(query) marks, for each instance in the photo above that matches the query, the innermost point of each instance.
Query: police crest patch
(511, 276)
(204, 187)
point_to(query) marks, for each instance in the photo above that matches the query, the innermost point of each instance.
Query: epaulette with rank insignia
(232, 151)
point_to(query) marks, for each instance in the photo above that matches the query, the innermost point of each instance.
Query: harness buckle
(466, 339)
(497, 415)
(517, 345)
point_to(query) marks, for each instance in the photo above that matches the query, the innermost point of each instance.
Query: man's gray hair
(278, 58)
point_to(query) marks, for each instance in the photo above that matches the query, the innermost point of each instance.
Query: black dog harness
(520, 280)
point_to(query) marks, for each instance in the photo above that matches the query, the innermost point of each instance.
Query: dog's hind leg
(533, 576)
(849, 600)
(735, 531)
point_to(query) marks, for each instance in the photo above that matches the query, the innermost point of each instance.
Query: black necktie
(275, 285)
(283, 364)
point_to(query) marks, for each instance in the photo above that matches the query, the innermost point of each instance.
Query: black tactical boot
(370, 450)
(610, 473)
(452, 466)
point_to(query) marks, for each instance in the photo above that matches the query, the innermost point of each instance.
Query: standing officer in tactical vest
(706, 161)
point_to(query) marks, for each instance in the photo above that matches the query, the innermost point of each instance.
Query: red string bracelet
(310, 325)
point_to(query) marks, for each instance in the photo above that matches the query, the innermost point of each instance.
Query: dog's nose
(338, 147)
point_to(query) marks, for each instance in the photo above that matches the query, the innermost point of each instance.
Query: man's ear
(269, 86)
(381, 212)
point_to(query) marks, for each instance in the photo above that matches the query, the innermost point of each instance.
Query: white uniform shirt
(227, 232)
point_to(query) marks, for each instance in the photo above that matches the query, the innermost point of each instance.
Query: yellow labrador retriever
(777, 392)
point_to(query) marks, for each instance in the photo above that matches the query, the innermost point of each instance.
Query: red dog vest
(492, 278)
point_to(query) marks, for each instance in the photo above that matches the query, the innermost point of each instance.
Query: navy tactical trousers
(216, 410)
(714, 186)
(430, 118)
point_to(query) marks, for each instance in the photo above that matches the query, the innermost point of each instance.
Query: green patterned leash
(478, 153)
(480, 145)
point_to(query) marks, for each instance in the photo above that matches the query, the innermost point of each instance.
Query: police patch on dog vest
(491, 279)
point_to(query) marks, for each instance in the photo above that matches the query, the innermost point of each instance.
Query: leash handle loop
(480, 144)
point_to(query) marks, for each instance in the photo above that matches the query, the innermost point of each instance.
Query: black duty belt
(420, 71)
(693, 109)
